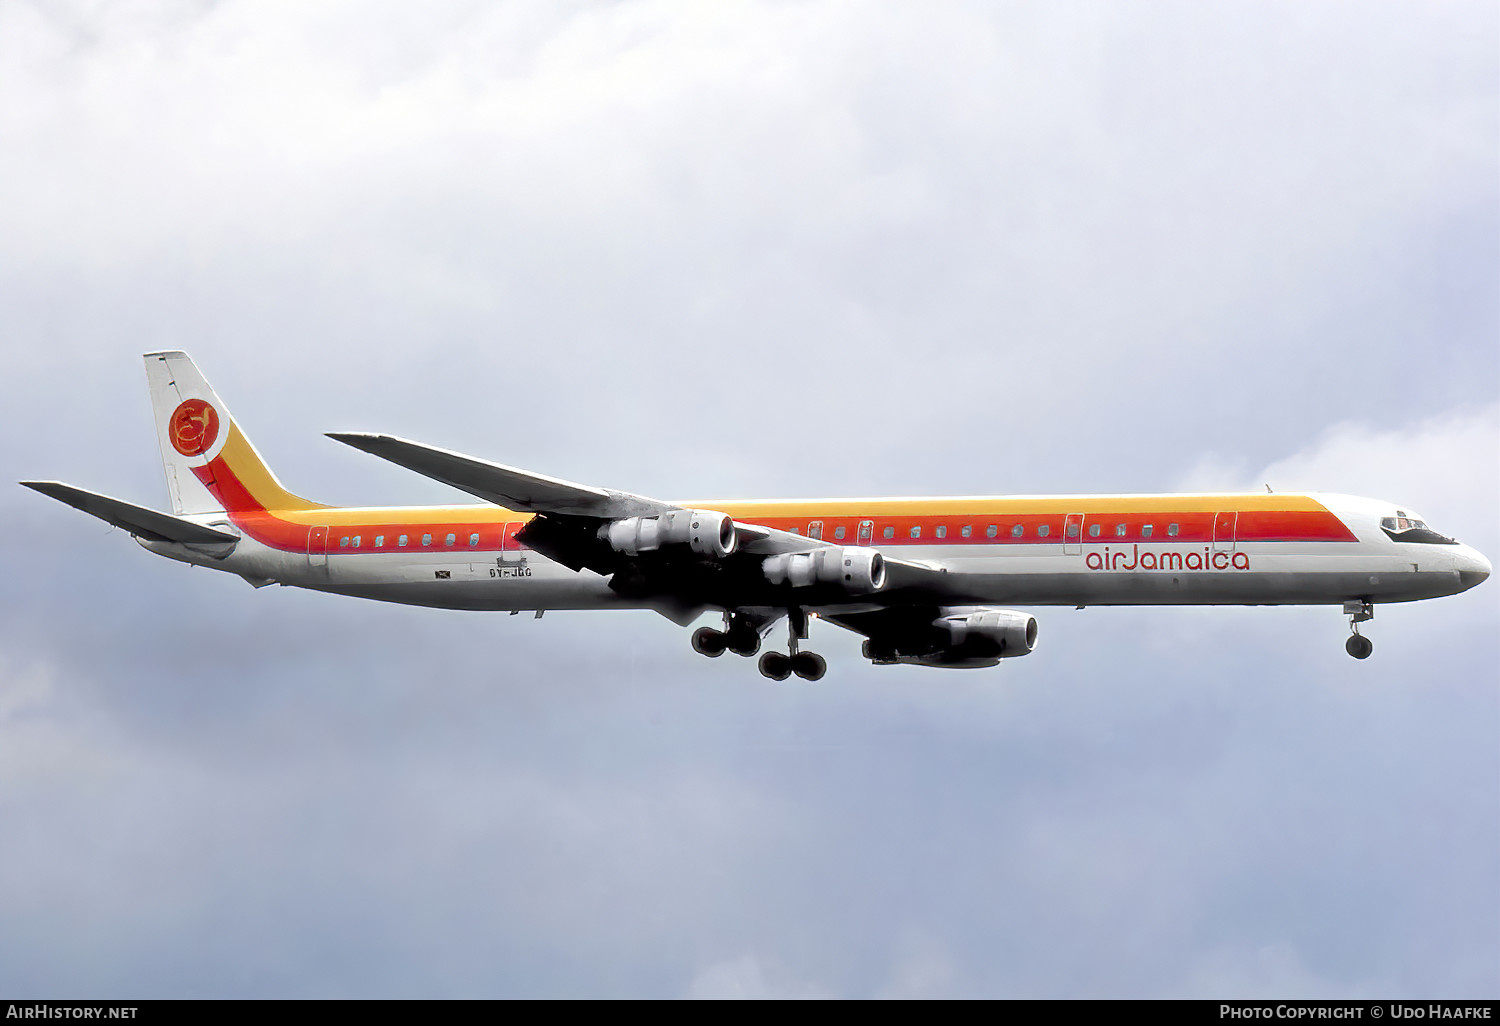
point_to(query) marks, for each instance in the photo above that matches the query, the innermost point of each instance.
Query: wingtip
(59, 490)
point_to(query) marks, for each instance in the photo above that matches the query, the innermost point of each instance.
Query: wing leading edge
(505, 486)
(513, 488)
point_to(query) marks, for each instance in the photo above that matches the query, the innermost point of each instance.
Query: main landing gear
(741, 635)
(807, 665)
(1358, 612)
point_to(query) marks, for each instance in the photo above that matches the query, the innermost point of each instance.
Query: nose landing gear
(1358, 611)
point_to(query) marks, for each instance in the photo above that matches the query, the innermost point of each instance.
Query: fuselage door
(510, 548)
(1224, 525)
(317, 546)
(1073, 534)
(866, 531)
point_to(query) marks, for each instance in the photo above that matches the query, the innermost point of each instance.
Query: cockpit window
(1408, 527)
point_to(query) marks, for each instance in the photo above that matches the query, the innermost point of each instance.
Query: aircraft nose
(1475, 571)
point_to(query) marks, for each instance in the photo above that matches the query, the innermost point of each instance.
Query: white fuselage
(1082, 570)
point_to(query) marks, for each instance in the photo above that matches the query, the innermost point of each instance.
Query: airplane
(926, 581)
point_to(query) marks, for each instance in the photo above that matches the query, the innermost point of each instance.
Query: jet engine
(858, 571)
(962, 636)
(1006, 631)
(703, 532)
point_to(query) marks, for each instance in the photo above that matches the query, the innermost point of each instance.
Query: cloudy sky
(773, 249)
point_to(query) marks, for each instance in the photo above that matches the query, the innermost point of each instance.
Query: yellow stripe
(256, 477)
(358, 516)
(756, 510)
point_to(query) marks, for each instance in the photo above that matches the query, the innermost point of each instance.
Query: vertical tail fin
(210, 464)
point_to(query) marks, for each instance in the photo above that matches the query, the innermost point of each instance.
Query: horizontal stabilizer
(505, 486)
(138, 520)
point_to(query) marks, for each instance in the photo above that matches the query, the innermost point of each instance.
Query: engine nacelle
(1006, 631)
(857, 571)
(702, 531)
(964, 636)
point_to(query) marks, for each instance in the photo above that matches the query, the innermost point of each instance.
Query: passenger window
(916, 532)
(967, 531)
(1172, 530)
(942, 531)
(401, 541)
(451, 539)
(992, 530)
(1119, 530)
(473, 541)
(1093, 530)
(889, 532)
(426, 539)
(344, 542)
(1145, 530)
(794, 530)
(1017, 531)
(838, 532)
(815, 530)
(1073, 530)
(379, 540)
(1043, 531)
(356, 541)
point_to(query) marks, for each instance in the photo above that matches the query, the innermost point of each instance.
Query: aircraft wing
(571, 520)
(518, 489)
(502, 485)
(138, 520)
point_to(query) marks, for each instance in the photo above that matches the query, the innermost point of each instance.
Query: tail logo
(194, 427)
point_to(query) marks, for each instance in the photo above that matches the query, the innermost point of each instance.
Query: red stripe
(272, 531)
(1252, 526)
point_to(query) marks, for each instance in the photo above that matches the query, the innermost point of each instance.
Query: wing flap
(138, 520)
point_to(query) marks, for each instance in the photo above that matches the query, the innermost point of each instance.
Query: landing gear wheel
(745, 643)
(709, 642)
(776, 666)
(1359, 646)
(809, 665)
